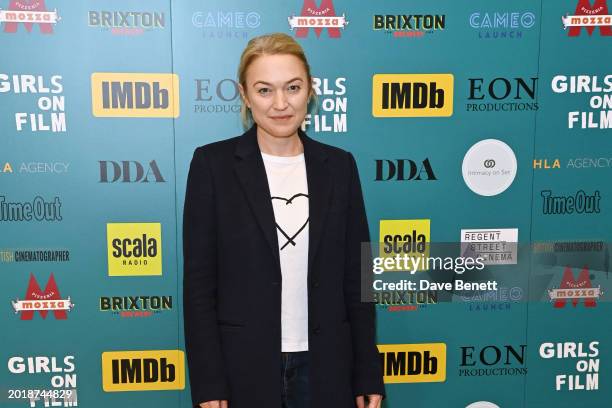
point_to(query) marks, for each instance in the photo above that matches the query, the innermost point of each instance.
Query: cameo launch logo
(409, 25)
(575, 290)
(37, 300)
(589, 17)
(28, 13)
(587, 365)
(404, 170)
(502, 25)
(318, 18)
(502, 95)
(600, 100)
(223, 25)
(134, 249)
(134, 95)
(413, 363)
(54, 118)
(127, 22)
(412, 95)
(151, 370)
(129, 172)
(579, 203)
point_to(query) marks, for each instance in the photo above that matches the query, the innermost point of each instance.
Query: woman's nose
(280, 100)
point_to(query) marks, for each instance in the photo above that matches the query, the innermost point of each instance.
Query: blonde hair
(270, 44)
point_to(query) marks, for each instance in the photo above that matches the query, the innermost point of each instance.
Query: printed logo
(502, 95)
(575, 290)
(546, 164)
(600, 100)
(482, 404)
(502, 25)
(404, 237)
(134, 249)
(226, 25)
(413, 363)
(587, 365)
(36, 210)
(589, 17)
(492, 360)
(496, 246)
(151, 370)
(412, 95)
(129, 172)
(489, 167)
(127, 22)
(37, 300)
(135, 95)
(135, 306)
(404, 170)
(28, 13)
(332, 115)
(579, 203)
(318, 18)
(34, 255)
(409, 26)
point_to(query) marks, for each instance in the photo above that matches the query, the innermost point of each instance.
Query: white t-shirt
(289, 195)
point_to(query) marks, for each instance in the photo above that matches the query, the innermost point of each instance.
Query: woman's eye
(263, 91)
(294, 88)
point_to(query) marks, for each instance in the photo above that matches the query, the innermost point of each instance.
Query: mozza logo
(589, 17)
(28, 13)
(317, 18)
(576, 290)
(37, 300)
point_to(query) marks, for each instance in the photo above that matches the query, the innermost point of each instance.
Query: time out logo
(150, 370)
(134, 249)
(134, 95)
(413, 363)
(412, 95)
(404, 237)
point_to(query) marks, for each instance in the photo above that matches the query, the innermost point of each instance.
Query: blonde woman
(273, 222)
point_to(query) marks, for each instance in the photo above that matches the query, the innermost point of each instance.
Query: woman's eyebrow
(267, 83)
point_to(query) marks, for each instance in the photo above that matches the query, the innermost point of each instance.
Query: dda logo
(151, 370)
(134, 95)
(413, 363)
(134, 249)
(412, 95)
(404, 237)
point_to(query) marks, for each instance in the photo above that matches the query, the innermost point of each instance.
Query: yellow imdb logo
(413, 363)
(151, 370)
(134, 249)
(405, 237)
(412, 95)
(134, 95)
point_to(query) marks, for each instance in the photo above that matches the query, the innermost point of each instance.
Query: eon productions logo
(587, 366)
(37, 300)
(413, 363)
(151, 370)
(28, 12)
(318, 18)
(134, 95)
(412, 95)
(489, 167)
(589, 17)
(575, 290)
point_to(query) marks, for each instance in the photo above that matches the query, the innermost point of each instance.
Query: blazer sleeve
(367, 369)
(207, 374)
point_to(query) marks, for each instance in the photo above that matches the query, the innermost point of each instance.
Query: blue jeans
(294, 377)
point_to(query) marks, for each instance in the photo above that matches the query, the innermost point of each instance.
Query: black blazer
(232, 279)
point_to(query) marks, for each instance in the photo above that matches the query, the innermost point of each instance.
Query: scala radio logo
(412, 95)
(576, 290)
(37, 300)
(151, 370)
(134, 249)
(135, 95)
(413, 363)
(129, 171)
(405, 237)
(317, 18)
(587, 366)
(28, 13)
(589, 17)
(409, 26)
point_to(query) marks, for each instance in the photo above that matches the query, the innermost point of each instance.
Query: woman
(272, 227)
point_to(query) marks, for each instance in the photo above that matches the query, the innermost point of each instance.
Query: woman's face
(277, 92)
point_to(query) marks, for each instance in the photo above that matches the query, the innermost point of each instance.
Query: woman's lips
(281, 118)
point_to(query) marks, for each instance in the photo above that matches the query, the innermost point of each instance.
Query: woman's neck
(279, 146)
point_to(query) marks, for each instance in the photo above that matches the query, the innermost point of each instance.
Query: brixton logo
(134, 249)
(589, 17)
(413, 363)
(42, 302)
(323, 16)
(134, 95)
(412, 95)
(28, 12)
(575, 290)
(150, 370)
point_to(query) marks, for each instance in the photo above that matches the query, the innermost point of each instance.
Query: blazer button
(317, 329)
(315, 284)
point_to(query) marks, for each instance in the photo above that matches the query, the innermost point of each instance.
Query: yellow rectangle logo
(134, 249)
(413, 363)
(134, 95)
(405, 237)
(412, 95)
(150, 370)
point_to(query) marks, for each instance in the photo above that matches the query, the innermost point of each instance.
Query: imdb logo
(151, 370)
(135, 95)
(412, 95)
(134, 249)
(413, 363)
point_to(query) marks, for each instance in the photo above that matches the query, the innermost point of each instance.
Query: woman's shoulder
(217, 148)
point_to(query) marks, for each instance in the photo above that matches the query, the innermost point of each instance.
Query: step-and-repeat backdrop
(480, 123)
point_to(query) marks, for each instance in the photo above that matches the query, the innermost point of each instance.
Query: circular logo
(489, 167)
(482, 404)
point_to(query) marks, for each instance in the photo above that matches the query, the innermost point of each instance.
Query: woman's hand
(374, 401)
(214, 404)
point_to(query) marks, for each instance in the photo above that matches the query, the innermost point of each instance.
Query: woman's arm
(206, 369)
(367, 371)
